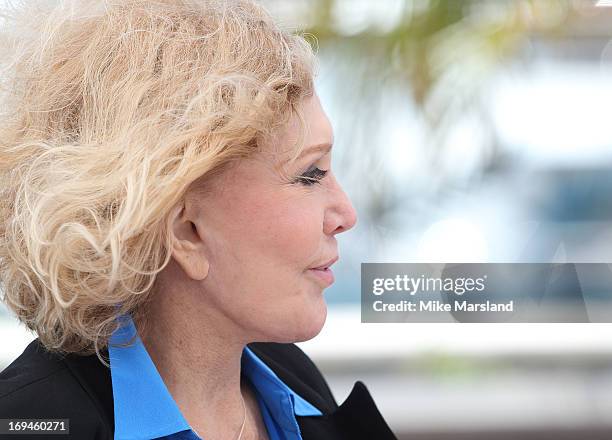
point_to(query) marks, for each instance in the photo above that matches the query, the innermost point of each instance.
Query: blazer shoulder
(34, 367)
(40, 385)
(298, 372)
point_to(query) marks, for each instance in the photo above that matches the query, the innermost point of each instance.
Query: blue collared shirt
(145, 409)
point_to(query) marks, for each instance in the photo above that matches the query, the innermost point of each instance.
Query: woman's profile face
(261, 232)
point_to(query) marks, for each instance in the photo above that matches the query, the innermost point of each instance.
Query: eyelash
(312, 176)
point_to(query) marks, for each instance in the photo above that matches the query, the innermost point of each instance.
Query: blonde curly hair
(111, 109)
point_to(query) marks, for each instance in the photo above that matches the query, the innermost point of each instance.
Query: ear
(188, 248)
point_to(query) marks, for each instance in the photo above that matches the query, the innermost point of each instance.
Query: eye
(312, 176)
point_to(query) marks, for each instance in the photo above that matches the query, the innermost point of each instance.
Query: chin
(309, 328)
(304, 326)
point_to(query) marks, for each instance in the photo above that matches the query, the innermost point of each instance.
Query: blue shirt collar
(145, 409)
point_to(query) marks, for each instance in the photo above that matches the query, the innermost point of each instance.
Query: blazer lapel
(357, 418)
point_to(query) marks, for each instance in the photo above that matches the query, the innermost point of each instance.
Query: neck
(197, 354)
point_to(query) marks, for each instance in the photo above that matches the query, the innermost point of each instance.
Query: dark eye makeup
(312, 176)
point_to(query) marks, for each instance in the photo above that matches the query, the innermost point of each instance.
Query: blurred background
(466, 131)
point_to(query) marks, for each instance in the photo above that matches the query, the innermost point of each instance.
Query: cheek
(296, 236)
(285, 230)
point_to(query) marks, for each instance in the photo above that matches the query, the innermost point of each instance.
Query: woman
(168, 221)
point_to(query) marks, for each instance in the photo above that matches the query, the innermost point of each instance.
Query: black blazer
(43, 385)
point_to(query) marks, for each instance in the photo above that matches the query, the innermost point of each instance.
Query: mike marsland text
(441, 306)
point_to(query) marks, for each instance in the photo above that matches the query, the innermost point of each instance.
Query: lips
(323, 272)
(327, 264)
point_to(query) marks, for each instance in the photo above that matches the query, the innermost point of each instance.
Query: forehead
(319, 129)
(318, 132)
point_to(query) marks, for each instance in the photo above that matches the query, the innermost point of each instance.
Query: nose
(340, 216)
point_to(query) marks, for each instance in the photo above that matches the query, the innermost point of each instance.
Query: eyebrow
(326, 146)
